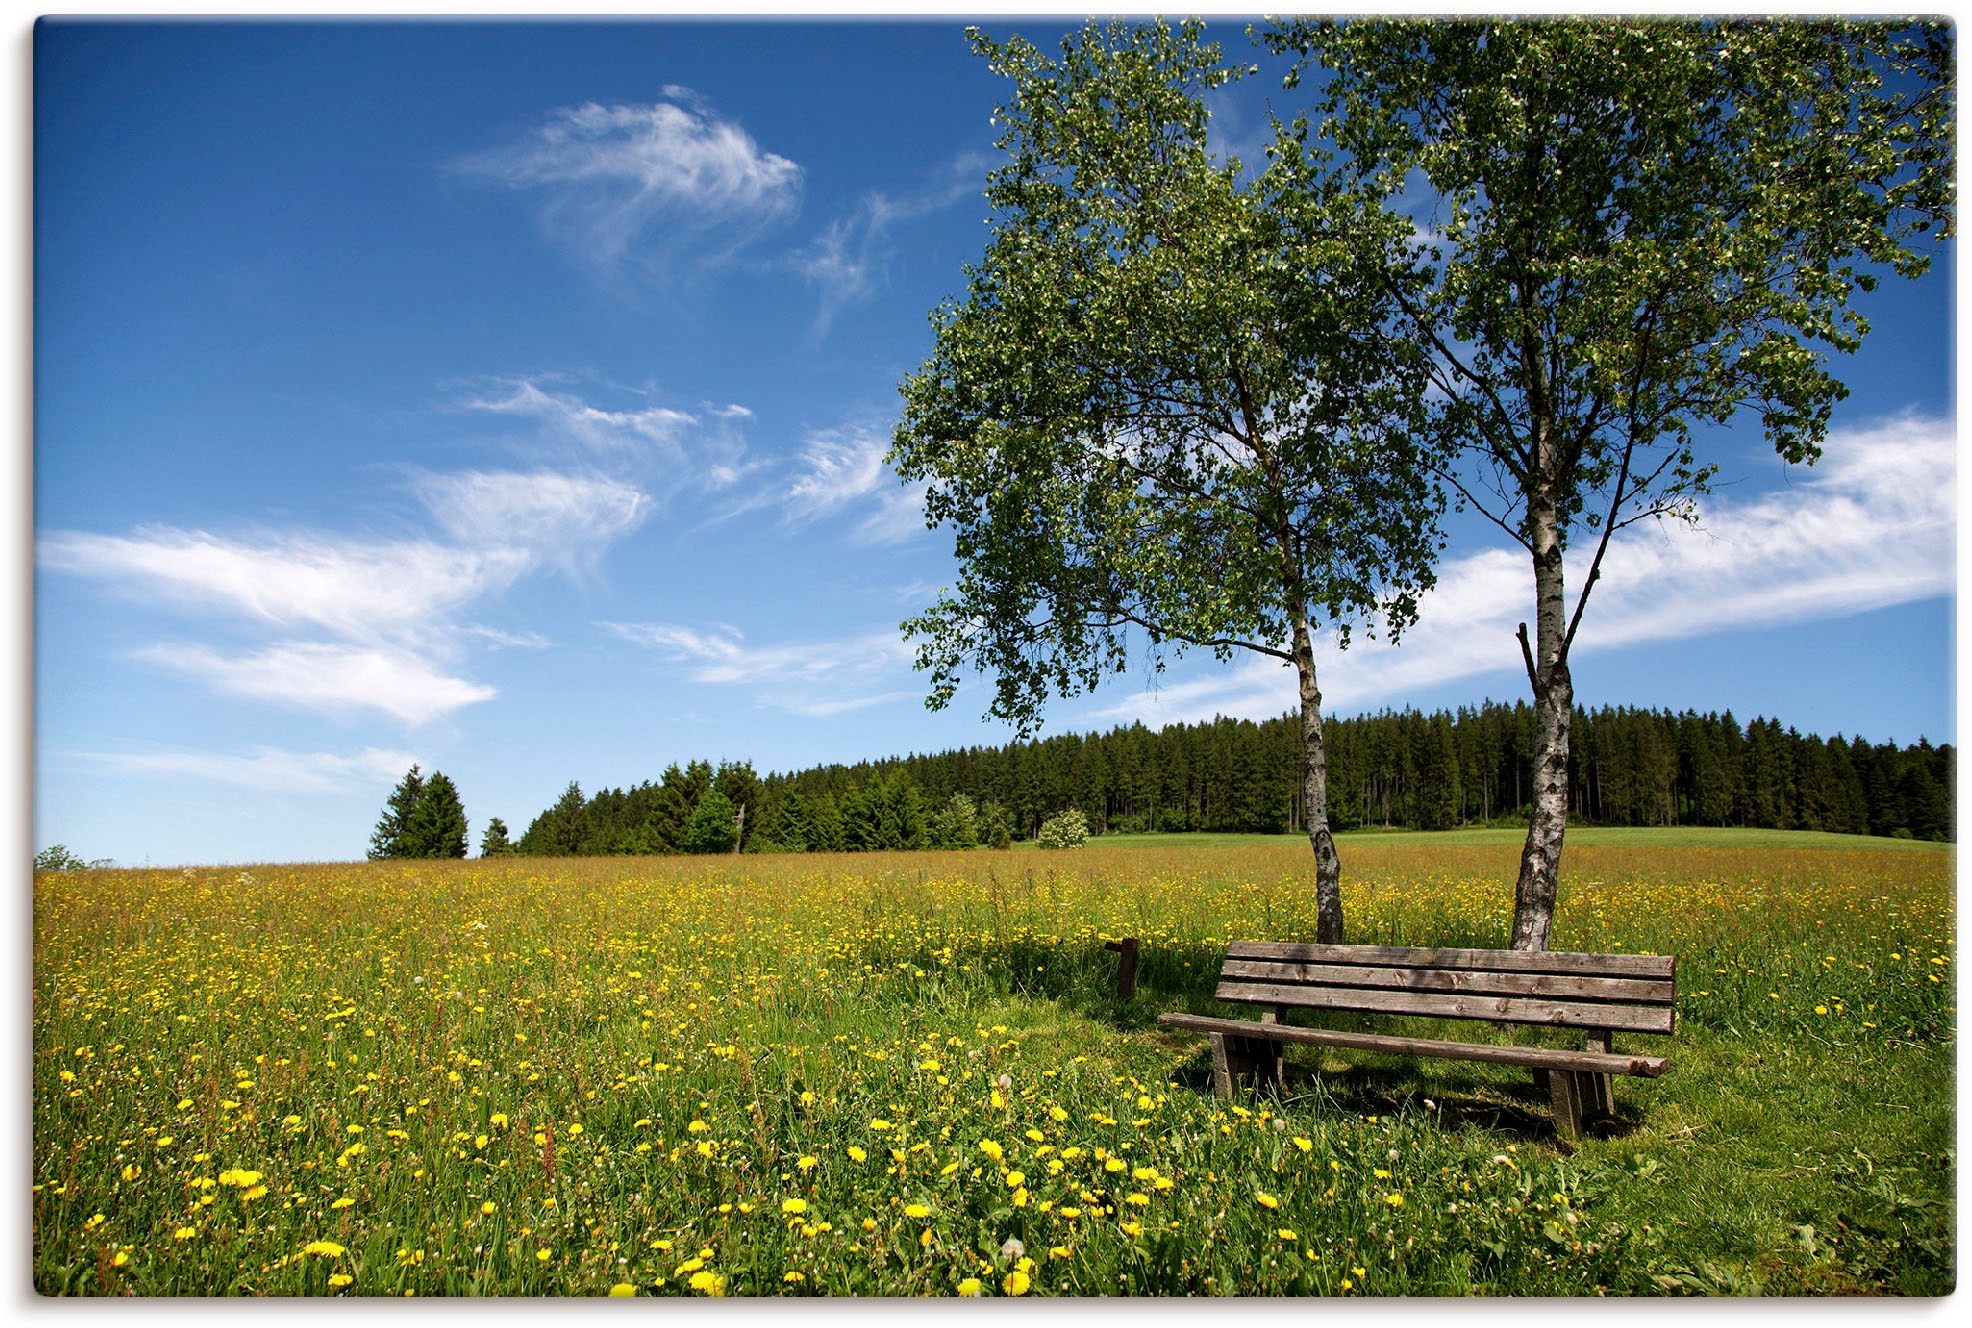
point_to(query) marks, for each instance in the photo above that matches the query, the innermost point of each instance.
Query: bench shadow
(1461, 1100)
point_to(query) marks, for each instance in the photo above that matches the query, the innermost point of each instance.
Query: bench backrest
(1633, 993)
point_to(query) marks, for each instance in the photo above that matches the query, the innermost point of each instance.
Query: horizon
(511, 398)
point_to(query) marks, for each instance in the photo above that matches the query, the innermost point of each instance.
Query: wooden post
(1269, 1056)
(1565, 1087)
(739, 828)
(1601, 1095)
(1225, 1064)
(1126, 969)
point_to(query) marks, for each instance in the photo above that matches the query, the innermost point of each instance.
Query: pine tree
(494, 843)
(437, 827)
(560, 831)
(387, 841)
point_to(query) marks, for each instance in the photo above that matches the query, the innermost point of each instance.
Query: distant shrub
(1069, 829)
(56, 857)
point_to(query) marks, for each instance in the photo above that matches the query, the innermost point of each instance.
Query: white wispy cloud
(517, 640)
(846, 260)
(1871, 526)
(352, 588)
(605, 432)
(843, 467)
(646, 181)
(266, 769)
(813, 678)
(391, 607)
(328, 676)
(835, 468)
(554, 516)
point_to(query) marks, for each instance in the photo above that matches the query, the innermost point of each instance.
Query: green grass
(879, 1072)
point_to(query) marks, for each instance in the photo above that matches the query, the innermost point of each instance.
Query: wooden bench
(1601, 994)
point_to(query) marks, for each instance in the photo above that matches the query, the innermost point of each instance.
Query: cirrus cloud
(646, 181)
(1872, 525)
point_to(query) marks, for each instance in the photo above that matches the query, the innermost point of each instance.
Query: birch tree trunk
(1314, 791)
(1554, 708)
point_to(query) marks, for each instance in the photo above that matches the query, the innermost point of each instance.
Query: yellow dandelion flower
(489, 1208)
(544, 1255)
(794, 1205)
(340, 1279)
(623, 1289)
(325, 1247)
(971, 1286)
(184, 1233)
(343, 1202)
(794, 1275)
(807, 1163)
(857, 1155)
(1266, 1201)
(991, 1149)
(1016, 1283)
(916, 1210)
(708, 1283)
(1394, 1200)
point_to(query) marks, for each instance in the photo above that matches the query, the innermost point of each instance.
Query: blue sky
(512, 398)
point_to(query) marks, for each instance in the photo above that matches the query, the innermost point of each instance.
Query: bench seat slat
(1540, 1058)
(1503, 961)
(1453, 1005)
(1634, 991)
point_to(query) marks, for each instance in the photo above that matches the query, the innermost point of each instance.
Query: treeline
(1397, 769)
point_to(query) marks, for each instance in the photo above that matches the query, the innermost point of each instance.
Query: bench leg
(1566, 1086)
(1601, 1094)
(1225, 1063)
(1236, 1058)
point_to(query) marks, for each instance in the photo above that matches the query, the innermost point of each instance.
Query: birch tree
(1168, 414)
(1644, 229)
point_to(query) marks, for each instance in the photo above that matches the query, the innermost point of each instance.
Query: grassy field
(906, 1074)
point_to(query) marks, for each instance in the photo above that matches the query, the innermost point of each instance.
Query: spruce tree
(387, 841)
(494, 843)
(437, 827)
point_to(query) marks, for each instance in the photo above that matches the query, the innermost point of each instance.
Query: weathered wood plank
(1546, 1058)
(1631, 991)
(1507, 961)
(1453, 1005)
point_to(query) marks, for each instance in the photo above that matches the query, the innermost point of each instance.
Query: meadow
(905, 1074)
